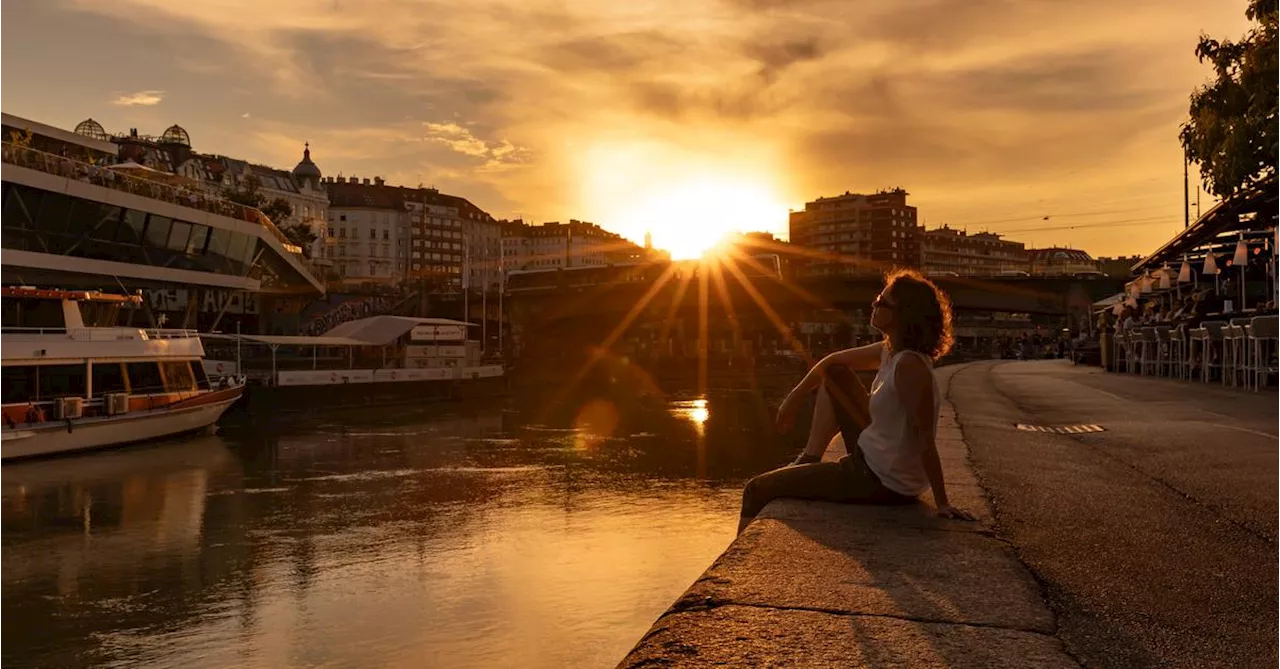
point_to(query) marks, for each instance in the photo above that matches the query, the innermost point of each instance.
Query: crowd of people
(1189, 311)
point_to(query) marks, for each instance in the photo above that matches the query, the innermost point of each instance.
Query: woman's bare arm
(915, 383)
(861, 358)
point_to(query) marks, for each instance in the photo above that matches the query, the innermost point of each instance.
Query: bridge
(647, 312)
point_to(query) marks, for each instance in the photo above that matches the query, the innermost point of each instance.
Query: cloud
(498, 156)
(139, 99)
(957, 100)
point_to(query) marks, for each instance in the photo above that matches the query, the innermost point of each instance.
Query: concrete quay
(812, 584)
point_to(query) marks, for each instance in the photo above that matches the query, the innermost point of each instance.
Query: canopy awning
(1109, 301)
(372, 331)
(285, 340)
(383, 330)
(1257, 207)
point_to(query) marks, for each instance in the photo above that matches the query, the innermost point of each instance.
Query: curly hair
(922, 313)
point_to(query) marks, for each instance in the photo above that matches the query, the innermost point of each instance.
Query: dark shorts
(848, 480)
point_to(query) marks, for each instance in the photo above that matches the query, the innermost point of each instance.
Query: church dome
(307, 169)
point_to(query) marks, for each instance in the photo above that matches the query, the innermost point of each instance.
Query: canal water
(443, 535)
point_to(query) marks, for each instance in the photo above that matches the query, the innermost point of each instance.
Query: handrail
(150, 333)
(101, 176)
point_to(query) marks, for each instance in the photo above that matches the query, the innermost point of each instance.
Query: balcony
(173, 240)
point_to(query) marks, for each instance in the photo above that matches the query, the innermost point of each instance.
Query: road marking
(1061, 429)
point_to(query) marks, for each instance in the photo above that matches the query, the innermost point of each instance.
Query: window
(386, 234)
(130, 228)
(144, 378)
(178, 376)
(199, 239)
(342, 232)
(18, 384)
(60, 381)
(108, 377)
(373, 234)
(179, 235)
(343, 217)
(158, 231)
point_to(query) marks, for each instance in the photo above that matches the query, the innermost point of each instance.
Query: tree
(1232, 131)
(302, 235)
(278, 210)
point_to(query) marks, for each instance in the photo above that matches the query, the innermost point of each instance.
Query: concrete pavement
(1155, 540)
(810, 584)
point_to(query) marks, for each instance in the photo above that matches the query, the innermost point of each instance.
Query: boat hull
(57, 437)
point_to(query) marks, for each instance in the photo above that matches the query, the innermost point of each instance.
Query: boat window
(32, 313)
(99, 314)
(60, 381)
(108, 377)
(18, 384)
(177, 376)
(202, 377)
(144, 377)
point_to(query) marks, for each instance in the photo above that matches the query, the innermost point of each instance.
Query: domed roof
(307, 169)
(175, 135)
(91, 128)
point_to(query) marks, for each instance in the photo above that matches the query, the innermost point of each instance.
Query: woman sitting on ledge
(888, 432)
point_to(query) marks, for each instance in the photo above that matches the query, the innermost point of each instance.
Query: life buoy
(218, 369)
(393, 375)
(333, 377)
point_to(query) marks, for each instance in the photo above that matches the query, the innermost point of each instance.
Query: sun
(688, 219)
(688, 194)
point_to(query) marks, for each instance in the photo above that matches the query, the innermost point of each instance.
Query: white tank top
(891, 444)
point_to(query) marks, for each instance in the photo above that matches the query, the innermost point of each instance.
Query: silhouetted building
(857, 234)
(566, 245)
(946, 250)
(1057, 261)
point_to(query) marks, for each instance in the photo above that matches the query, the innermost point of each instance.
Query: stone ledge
(814, 584)
(748, 636)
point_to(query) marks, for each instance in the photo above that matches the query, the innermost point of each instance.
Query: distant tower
(648, 241)
(306, 171)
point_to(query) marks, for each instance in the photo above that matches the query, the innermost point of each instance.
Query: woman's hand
(948, 511)
(787, 413)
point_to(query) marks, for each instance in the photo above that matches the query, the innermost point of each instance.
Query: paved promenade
(1155, 540)
(1149, 544)
(811, 584)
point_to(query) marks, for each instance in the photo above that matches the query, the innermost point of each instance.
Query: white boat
(73, 380)
(377, 360)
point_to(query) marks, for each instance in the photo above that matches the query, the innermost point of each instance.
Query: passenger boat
(380, 360)
(73, 380)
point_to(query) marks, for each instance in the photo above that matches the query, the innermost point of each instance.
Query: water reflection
(694, 411)
(516, 534)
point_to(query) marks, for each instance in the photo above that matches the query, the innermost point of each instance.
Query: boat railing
(9, 329)
(171, 333)
(103, 333)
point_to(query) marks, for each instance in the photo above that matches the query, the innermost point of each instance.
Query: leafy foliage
(279, 210)
(1232, 131)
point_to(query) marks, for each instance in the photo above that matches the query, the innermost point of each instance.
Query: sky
(686, 118)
